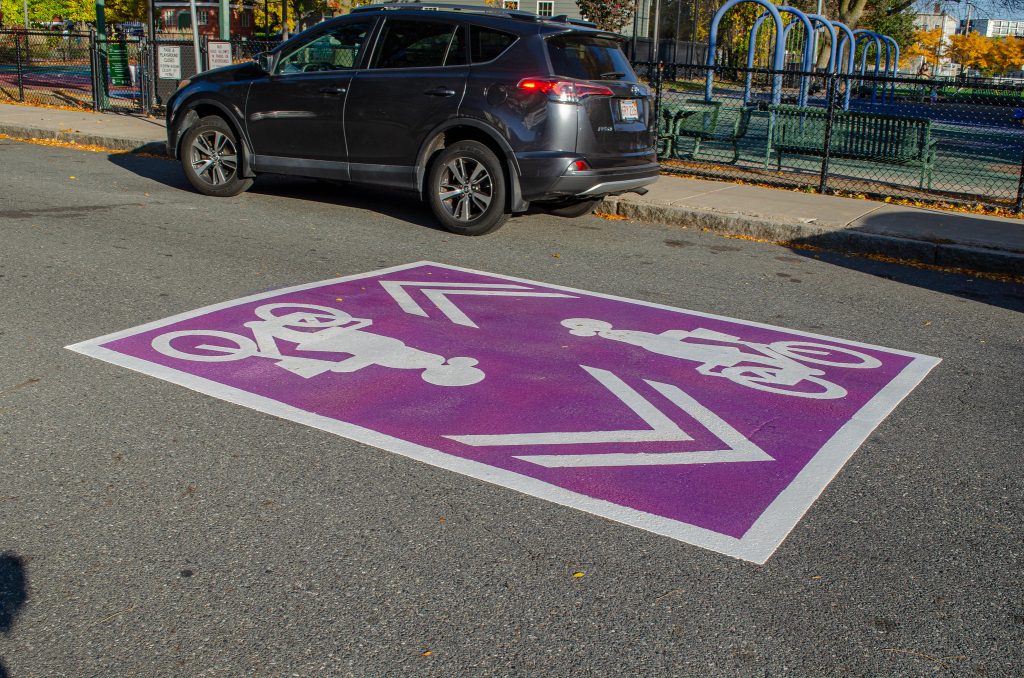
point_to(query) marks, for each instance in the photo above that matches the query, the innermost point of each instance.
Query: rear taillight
(566, 91)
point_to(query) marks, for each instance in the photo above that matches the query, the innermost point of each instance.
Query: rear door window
(419, 44)
(488, 44)
(585, 57)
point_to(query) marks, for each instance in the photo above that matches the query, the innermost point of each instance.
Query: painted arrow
(662, 429)
(438, 293)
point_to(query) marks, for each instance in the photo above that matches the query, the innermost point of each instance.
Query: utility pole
(657, 32)
(25, 6)
(224, 19)
(195, 36)
(284, 19)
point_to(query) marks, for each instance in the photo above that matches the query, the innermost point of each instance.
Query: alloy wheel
(214, 158)
(465, 189)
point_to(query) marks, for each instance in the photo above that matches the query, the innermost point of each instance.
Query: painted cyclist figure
(777, 367)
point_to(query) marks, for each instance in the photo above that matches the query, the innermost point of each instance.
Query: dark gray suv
(483, 112)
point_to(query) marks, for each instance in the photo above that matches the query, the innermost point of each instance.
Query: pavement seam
(861, 216)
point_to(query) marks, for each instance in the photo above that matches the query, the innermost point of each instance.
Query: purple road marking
(714, 431)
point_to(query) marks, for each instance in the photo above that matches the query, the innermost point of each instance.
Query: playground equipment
(849, 41)
(812, 23)
(779, 59)
(808, 58)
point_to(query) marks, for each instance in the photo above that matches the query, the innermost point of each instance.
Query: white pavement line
(396, 288)
(740, 449)
(455, 314)
(662, 428)
(437, 292)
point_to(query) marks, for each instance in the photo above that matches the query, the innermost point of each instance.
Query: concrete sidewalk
(842, 224)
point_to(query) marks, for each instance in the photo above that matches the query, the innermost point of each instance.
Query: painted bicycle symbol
(779, 367)
(319, 329)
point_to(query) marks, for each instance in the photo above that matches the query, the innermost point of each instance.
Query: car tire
(466, 189)
(211, 157)
(572, 210)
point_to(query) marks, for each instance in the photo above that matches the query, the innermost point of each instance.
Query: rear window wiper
(613, 74)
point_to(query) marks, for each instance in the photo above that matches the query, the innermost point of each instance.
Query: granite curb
(797, 234)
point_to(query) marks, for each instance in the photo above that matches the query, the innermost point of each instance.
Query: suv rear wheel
(467, 189)
(211, 159)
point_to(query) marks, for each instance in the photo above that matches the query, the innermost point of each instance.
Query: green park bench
(699, 120)
(871, 137)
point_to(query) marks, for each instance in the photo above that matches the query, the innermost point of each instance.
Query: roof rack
(473, 9)
(566, 19)
(446, 7)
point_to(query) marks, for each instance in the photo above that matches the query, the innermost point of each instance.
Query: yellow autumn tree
(970, 51)
(1006, 54)
(927, 44)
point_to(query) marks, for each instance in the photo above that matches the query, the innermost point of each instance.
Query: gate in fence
(128, 74)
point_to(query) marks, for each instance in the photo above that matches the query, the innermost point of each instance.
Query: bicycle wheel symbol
(236, 348)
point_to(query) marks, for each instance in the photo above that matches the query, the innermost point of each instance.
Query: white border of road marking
(757, 545)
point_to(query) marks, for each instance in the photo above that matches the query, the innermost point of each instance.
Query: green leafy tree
(609, 15)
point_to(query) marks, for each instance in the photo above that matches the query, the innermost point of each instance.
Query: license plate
(629, 109)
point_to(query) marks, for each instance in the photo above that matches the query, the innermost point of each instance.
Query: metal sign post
(195, 36)
(224, 19)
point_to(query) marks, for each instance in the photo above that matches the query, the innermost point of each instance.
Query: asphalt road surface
(146, 529)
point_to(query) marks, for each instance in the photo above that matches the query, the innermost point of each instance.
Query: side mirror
(266, 61)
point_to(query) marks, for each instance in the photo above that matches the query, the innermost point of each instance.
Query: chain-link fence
(125, 74)
(912, 138)
(43, 67)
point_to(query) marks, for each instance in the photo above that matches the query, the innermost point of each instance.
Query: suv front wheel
(210, 156)
(467, 189)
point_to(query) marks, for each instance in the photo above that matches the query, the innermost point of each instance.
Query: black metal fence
(81, 70)
(911, 138)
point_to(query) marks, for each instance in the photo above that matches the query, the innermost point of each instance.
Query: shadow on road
(402, 205)
(13, 593)
(1006, 295)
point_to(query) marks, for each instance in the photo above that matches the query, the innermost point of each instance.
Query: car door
(295, 114)
(415, 80)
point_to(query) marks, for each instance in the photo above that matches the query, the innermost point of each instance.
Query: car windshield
(585, 57)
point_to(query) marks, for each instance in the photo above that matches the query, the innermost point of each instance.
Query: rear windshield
(586, 57)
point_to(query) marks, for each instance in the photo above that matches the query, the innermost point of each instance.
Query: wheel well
(204, 110)
(465, 133)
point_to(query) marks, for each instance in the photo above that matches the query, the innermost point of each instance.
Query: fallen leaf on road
(426, 653)
(577, 574)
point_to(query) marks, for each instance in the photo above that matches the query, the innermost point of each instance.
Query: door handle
(440, 92)
(332, 90)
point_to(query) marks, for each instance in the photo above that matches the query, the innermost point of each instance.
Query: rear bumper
(550, 179)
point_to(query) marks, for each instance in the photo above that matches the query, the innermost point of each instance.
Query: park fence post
(93, 70)
(1020, 187)
(657, 91)
(17, 57)
(832, 80)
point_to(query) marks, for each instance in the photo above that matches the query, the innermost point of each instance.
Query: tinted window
(588, 58)
(488, 43)
(419, 44)
(335, 50)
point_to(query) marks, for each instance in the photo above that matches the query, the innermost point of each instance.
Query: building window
(204, 16)
(246, 18)
(546, 7)
(169, 17)
(510, 4)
